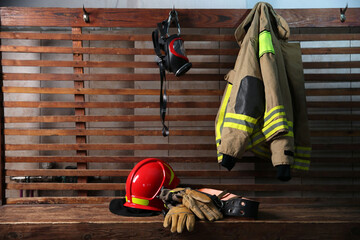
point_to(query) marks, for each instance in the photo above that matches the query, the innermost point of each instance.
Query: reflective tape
(265, 43)
(220, 120)
(273, 113)
(277, 125)
(140, 201)
(220, 157)
(301, 164)
(172, 175)
(303, 151)
(240, 122)
(262, 151)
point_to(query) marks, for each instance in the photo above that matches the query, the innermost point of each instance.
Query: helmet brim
(116, 206)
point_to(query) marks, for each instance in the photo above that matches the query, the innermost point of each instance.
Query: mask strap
(163, 99)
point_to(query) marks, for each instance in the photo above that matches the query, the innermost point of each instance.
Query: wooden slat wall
(98, 103)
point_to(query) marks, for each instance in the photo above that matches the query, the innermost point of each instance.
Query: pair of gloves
(185, 204)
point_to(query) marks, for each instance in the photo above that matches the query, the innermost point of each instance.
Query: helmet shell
(145, 181)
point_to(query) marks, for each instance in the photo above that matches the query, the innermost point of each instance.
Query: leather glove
(201, 205)
(178, 217)
(172, 197)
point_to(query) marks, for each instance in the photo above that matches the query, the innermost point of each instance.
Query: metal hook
(342, 13)
(173, 17)
(85, 15)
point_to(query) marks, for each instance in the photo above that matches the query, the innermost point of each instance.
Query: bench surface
(95, 221)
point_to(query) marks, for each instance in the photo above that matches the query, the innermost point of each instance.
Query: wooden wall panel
(208, 18)
(109, 120)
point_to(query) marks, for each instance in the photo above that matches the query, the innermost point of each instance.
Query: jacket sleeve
(278, 117)
(294, 67)
(245, 104)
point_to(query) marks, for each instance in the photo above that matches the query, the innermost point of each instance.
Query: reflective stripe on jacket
(263, 108)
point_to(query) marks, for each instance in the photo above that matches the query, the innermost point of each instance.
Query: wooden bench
(86, 96)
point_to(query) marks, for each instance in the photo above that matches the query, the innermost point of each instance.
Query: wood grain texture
(155, 77)
(121, 118)
(216, 18)
(174, 92)
(79, 97)
(147, 37)
(72, 221)
(110, 77)
(147, 51)
(231, 187)
(2, 138)
(113, 64)
(182, 174)
(112, 146)
(109, 132)
(45, 104)
(324, 179)
(295, 201)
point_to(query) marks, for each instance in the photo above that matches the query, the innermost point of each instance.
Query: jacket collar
(283, 30)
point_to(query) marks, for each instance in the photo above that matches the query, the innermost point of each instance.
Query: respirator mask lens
(177, 60)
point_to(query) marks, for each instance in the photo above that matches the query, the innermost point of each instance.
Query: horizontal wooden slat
(114, 64)
(104, 132)
(333, 50)
(332, 77)
(324, 37)
(334, 104)
(132, 146)
(119, 159)
(59, 200)
(112, 51)
(110, 37)
(132, 159)
(156, 77)
(335, 133)
(316, 65)
(68, 172)
(332, 92)
(71, 50)
(66, 186)
(108, 132)
(180, 173)
(337, 147)
(122, 146)
(106, 200)
(105, 64)
(334, 117)
(242, 187)
(214, 18)
(139, 51)
(109, 77)
(147, 51)
(125, 118)
(147, 37)
(44, 104)
(108, 91)
(174, 92)
(281, 187)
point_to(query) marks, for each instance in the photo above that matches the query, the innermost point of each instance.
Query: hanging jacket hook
(342, 13)
(85, 15)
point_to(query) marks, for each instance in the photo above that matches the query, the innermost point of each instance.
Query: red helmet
(145, 181)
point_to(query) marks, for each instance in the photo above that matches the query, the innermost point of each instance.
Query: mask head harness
(173, 60)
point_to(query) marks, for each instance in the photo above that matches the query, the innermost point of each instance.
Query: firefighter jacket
(263, 108)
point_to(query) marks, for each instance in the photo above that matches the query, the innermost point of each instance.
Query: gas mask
(174, 59)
